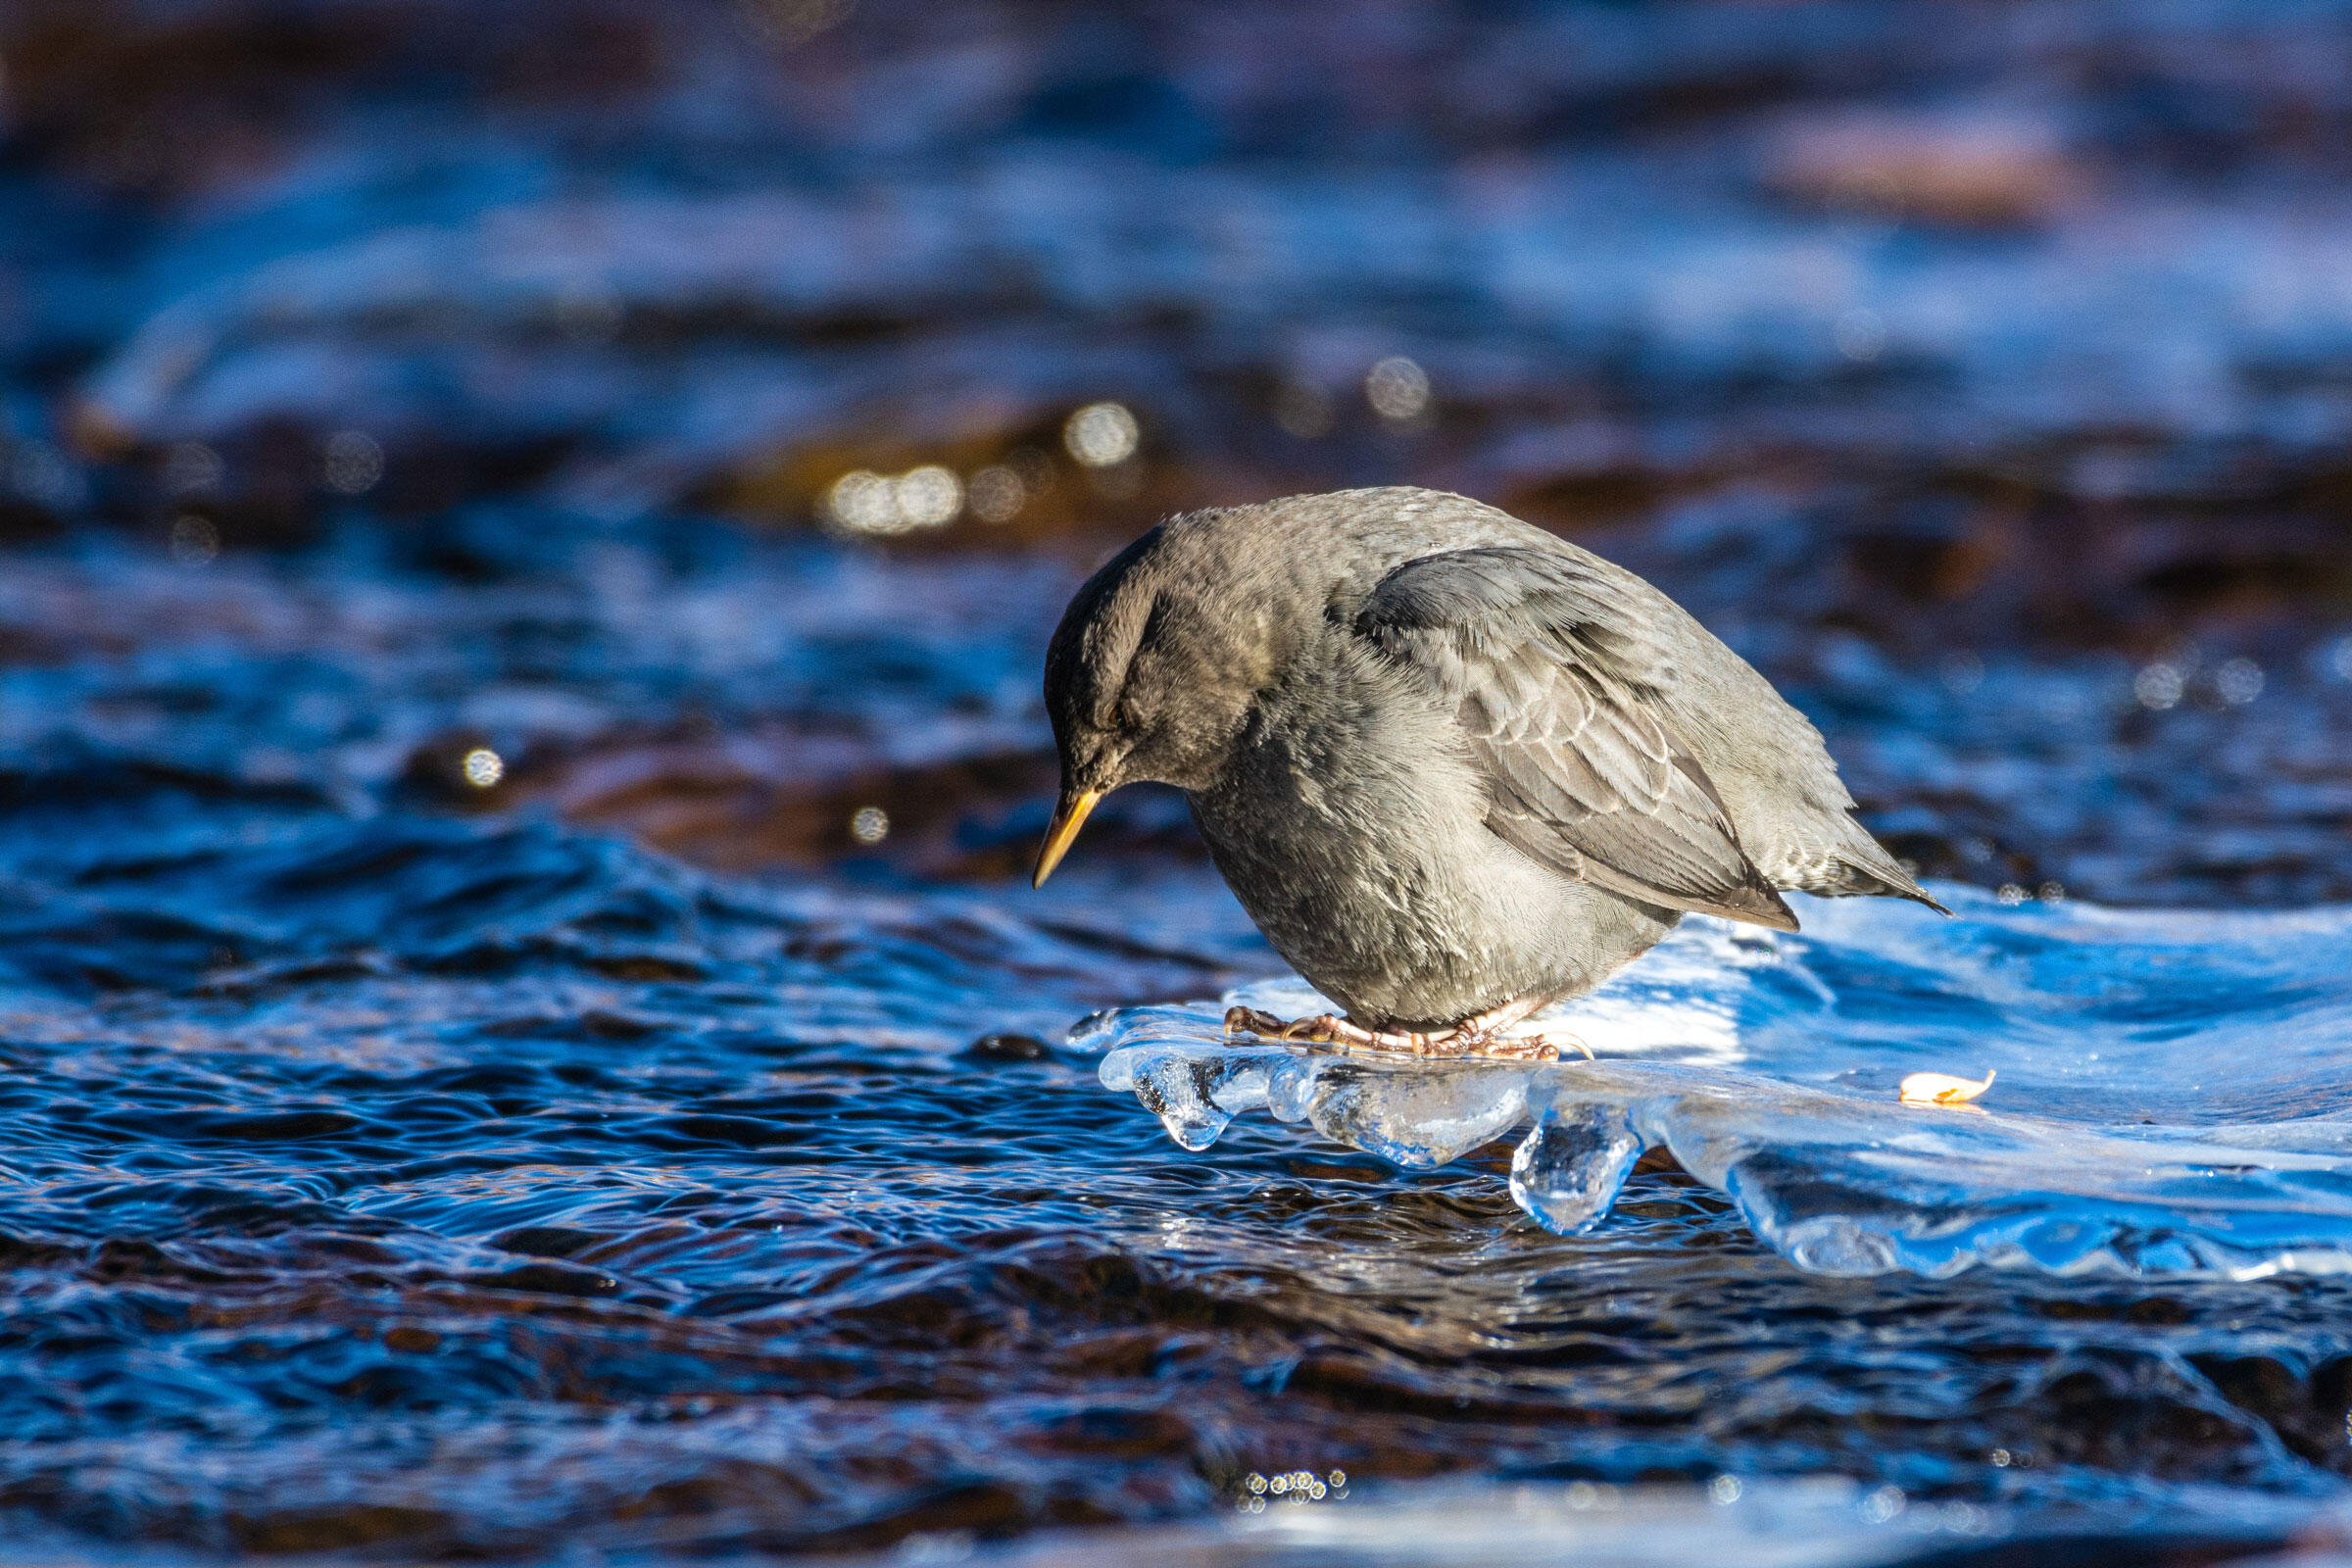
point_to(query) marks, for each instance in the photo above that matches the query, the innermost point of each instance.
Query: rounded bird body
(1453, 766)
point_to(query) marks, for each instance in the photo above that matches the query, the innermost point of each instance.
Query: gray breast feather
(1554, 682)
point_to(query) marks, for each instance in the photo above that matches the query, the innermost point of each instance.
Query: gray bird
(1455, 769)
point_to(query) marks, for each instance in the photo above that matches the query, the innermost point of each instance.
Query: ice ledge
(1767, 1071)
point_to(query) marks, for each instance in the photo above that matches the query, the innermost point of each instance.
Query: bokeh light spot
(2159, 687)
(928, 496)
(998, 494)
(41, 472)
(483, 767)
(2240, 681)
(352, 462)
(1101, 436)
(1860, 335)
(1962, 672)
(866, 502)
(863, 502)
(195, 541)
(192, 468)
(1398, 389)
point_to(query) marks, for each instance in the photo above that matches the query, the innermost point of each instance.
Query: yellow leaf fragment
(1942, 1089)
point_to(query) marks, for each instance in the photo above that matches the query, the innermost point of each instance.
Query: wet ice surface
(2171, 1096)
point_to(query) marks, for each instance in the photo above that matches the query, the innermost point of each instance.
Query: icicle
(1572, 1162)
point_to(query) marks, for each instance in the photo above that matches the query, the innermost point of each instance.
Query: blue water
(393, 1166)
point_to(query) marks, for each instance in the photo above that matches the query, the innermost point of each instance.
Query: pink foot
(1479, 1036)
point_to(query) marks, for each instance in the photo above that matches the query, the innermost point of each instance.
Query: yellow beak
(1068, 815)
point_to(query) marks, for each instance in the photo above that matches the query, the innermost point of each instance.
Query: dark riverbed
(525, 1033)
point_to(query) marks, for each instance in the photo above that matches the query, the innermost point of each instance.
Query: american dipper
(1455, 769)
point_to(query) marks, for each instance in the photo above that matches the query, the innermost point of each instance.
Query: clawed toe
(1323, 1029)
(1340, 1034)
(1505, 1047)
(1536, 1050)
(1551, 1051)
(1251, 1021)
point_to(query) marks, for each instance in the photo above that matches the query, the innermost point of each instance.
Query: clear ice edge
(2172, 1097)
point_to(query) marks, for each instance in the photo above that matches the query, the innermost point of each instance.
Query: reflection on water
(528, 537)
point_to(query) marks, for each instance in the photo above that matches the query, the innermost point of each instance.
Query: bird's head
(1152, 675)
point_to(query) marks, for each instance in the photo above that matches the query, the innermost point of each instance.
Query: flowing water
(526, 1035)
(391, 1168)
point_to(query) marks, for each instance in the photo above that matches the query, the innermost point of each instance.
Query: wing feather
(1547, 666)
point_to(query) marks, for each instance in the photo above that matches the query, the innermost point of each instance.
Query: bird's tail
(1862, 868)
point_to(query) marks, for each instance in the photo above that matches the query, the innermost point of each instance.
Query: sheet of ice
(2174, 1094)
(1754, 1522)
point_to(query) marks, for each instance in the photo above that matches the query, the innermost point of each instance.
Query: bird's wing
(1555, 681)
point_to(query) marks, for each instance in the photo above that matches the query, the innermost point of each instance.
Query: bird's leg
(1482, 1034)
(1323, 1029)
(1496, 1020)
(1476, 1036)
